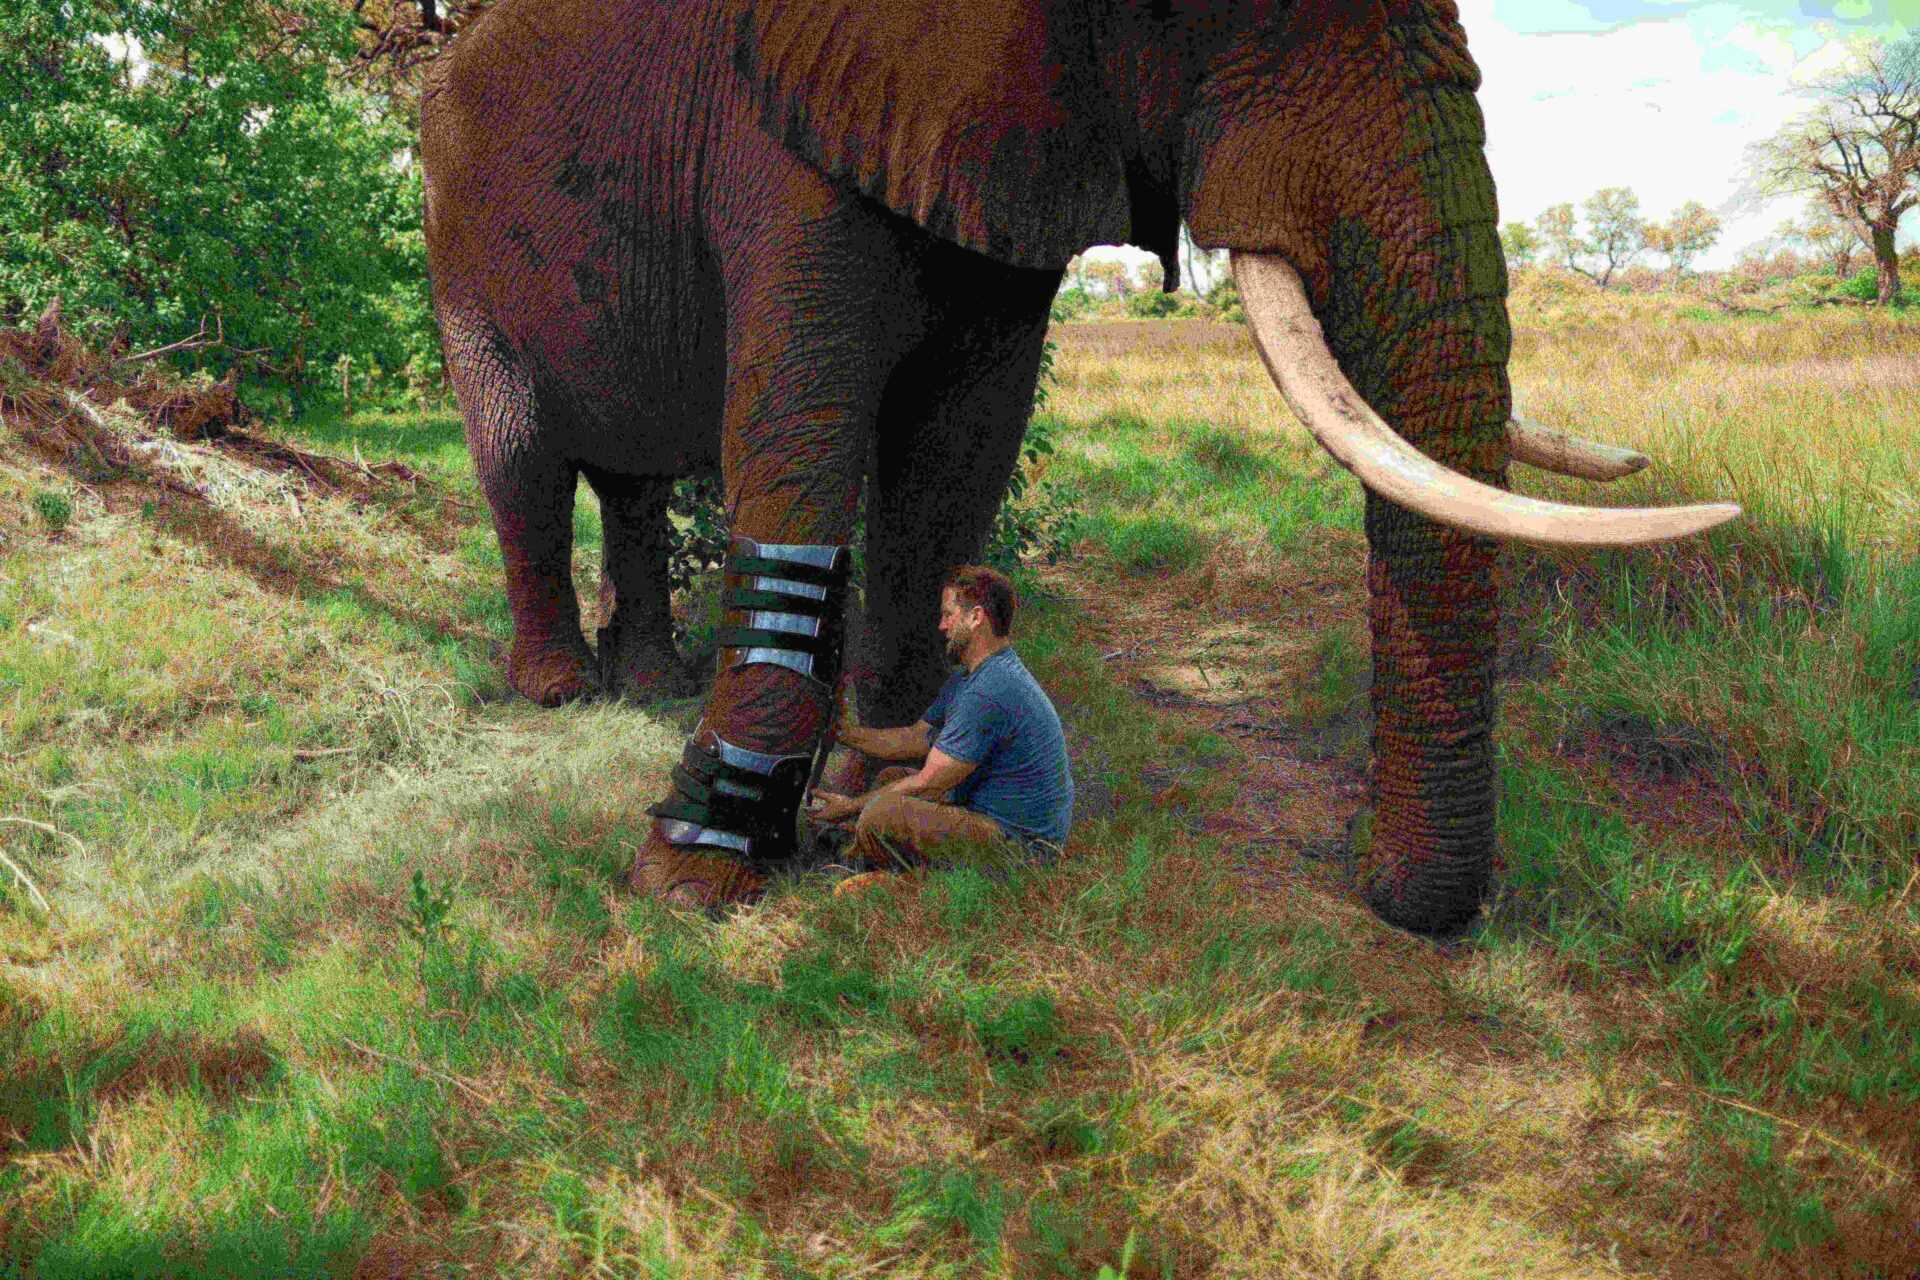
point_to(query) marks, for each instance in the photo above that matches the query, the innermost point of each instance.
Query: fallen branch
(1859, 1153)
(26, 880)
(420, 1068)
(194, 343)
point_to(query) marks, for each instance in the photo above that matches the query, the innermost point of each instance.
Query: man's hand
(830, 807)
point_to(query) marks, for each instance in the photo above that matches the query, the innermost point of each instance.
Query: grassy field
(312, 960)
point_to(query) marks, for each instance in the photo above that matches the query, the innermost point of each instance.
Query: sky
(1661, 96)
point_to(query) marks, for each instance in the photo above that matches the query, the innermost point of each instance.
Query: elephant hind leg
(529, 485)
(636, 652)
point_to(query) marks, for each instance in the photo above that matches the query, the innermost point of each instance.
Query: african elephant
(815, 241)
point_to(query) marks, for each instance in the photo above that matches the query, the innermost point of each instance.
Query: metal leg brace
(785, 606)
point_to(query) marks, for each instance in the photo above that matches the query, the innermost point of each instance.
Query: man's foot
(684, 879)
(863, 883)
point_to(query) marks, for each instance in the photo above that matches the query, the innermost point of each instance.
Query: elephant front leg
(530, 488)
(732, 811)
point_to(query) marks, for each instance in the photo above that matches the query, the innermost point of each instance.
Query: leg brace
(785, 606)
(735, 800)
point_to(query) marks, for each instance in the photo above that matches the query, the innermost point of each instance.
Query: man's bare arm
(908, 742)
(939, 775)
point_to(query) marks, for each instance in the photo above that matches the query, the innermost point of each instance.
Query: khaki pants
(901, 831)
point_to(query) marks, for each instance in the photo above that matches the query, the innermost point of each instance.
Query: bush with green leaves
(1152, 304)
(173, 165)
(1865, 286)
(1070, 303)
(1224, 298)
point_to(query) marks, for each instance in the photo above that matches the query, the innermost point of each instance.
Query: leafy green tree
(171, 166)
(1520, 243)
(1559, 233)
(1857, 152)
(1691, 231)
(1615, 231)
(1615, 234)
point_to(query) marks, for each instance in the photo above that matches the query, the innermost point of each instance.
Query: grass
(336, 978)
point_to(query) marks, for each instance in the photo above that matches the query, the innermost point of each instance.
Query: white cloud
(1665, 104)
(1661, 97)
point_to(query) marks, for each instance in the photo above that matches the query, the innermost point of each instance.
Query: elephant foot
(638, 664)
(553, 674)
(682, 878)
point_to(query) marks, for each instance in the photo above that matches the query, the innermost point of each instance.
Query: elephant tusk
(1541, 446)
(1296, 355)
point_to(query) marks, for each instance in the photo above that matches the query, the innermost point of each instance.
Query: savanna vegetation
(315, 963)
(312, 956)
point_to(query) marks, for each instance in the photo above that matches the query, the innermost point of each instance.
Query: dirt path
(1248, 661)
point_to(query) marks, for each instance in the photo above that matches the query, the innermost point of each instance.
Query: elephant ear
(984, 122)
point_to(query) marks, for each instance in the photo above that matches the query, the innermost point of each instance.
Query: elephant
(814, 243)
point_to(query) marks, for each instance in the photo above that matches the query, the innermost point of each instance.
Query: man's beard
(957, 642)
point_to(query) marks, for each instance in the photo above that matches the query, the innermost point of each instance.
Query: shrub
(54, 507)
(1224, 298)
(1070, 303)
(1864, 284)
(219, 178)
(1037, 518)
(1153, 305)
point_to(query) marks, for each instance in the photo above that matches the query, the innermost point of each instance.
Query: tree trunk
(1887, 263)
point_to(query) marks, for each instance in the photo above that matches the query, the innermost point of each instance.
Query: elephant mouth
(1295, 352)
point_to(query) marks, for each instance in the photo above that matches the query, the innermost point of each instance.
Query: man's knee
(882, 816)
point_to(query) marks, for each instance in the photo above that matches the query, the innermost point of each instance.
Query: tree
(1857, 152)
(1200, 269)
(227, 182)
(1149, 276)
(1520, 242)
(1560, 234)
(1825, 236)
(1691, 231)
(1615, 237)
(1112, 277)
(1616, 234)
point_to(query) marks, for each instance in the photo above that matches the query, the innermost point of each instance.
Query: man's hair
(976, 584)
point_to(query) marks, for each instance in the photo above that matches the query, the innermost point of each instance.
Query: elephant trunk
(1434, 615)
(1435, 507)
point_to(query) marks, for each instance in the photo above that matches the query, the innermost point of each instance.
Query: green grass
(1684, 1032)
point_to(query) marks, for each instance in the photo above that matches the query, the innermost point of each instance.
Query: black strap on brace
(730, 800)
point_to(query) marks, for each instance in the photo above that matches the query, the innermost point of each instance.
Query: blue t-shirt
(999, 720)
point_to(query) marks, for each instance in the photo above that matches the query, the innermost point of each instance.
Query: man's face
(958, 621)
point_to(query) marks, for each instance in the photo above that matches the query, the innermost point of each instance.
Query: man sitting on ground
(992, 739)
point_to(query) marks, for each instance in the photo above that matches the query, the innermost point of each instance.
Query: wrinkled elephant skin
(814, 244)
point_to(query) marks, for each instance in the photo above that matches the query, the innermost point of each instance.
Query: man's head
(975, 603)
